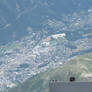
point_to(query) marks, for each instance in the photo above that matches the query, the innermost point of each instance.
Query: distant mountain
(16, 15)
(37, 35)
(79, 67)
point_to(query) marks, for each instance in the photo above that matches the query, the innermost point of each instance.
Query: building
(57, 86)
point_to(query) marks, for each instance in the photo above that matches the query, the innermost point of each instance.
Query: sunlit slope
(80, 67)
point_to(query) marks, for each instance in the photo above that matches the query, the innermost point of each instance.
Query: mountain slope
(80, 67)
(31, 33)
